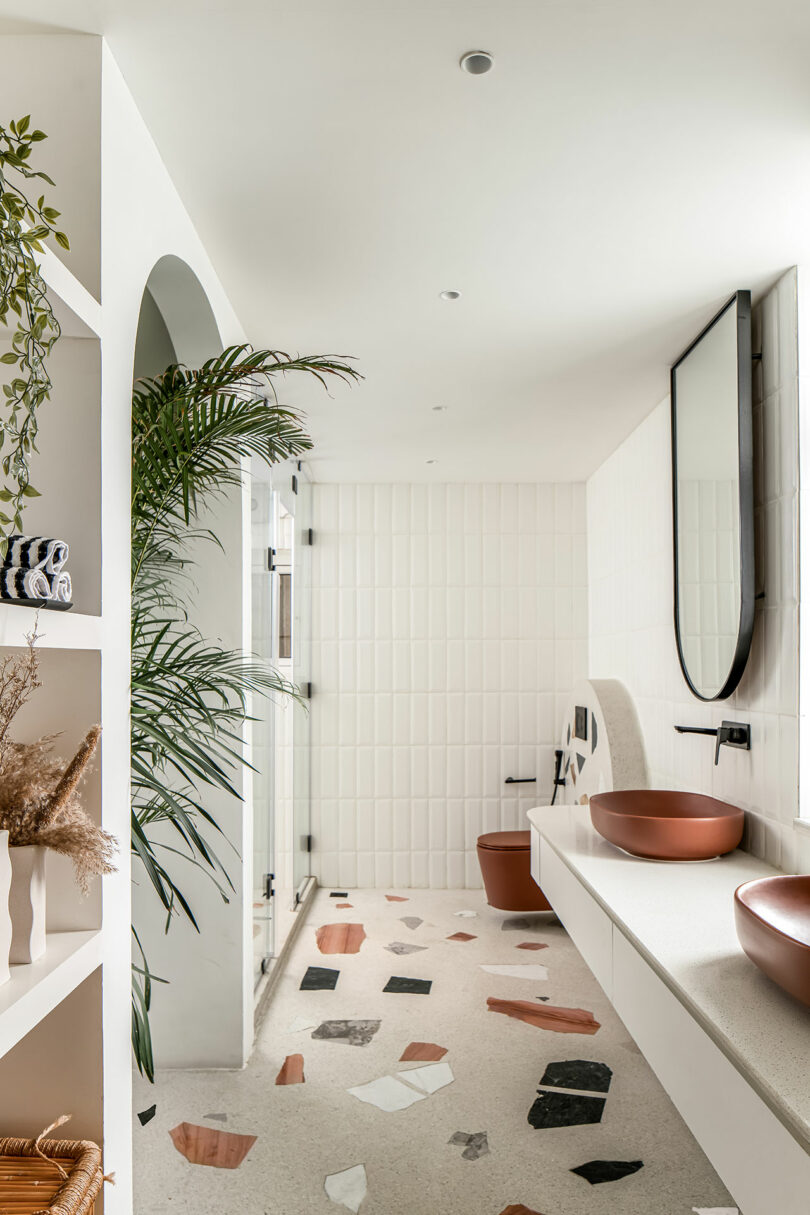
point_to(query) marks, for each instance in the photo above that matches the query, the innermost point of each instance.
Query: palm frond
(191, 430)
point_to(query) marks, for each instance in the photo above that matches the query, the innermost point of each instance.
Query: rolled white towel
(61, 587)
(36, 553)
(24, 584)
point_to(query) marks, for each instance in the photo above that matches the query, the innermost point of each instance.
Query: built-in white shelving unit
(34, 991)
(65, 1020)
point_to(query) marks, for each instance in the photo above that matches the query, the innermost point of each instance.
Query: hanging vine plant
(24, 224)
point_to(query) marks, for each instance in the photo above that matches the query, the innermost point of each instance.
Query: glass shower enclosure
(282, 623)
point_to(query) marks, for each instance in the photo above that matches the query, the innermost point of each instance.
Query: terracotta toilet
(505, 860)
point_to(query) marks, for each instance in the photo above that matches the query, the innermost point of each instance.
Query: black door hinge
(271, 559)
(308, 535)
(295, 484)
(305, 690)
(306, 843)
(268, 885)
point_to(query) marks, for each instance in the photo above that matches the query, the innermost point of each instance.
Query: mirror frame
(741, 300)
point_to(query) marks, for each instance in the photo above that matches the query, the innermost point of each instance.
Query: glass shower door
(302, 676)
(263, 733)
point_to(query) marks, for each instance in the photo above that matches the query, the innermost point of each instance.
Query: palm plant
(191, 430)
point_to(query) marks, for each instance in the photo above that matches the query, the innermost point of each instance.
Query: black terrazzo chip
(414, 987)
(581, 1074)
(339, 894)
(580, 761)
(319, 978)
(147, 1115)
(564, 1109)
(597, 1171)
(594, 735)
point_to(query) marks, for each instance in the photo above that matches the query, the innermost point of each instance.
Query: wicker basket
(31, 1185)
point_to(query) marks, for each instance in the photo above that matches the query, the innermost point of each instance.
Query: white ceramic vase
(5, 917)
(26, 903)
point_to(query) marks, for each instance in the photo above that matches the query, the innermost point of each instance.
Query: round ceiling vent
(476, 62)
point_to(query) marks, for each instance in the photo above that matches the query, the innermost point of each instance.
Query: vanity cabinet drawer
(586, 923)
(754, 1154)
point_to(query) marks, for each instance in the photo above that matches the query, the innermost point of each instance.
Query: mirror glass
(712, 500)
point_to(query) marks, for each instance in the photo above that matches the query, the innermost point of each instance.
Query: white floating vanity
(730, 1048)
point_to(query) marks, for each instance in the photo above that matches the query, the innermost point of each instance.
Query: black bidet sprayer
(558, 758)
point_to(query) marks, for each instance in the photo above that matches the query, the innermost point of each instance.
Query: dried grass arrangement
(39, 798)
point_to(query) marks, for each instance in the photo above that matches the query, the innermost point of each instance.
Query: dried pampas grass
(39, 798)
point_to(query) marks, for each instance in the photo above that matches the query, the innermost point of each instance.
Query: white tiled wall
(630, 603)
(450, 622)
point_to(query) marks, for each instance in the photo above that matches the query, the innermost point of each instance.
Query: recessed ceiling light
(431, 461)
(476, 62)
(449, 295)
(439, 409)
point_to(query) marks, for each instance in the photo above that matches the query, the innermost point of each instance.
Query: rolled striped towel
(61, 587)
(36, 553)
(24, 584)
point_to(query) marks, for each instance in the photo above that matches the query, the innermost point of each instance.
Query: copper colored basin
(773, 925)
(667, 826)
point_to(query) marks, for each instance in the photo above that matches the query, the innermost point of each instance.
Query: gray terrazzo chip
(353, 1033)
(475, 1144)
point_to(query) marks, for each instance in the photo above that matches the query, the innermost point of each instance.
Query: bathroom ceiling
(622, 169)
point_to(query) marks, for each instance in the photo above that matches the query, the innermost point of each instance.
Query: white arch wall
(206, 1017)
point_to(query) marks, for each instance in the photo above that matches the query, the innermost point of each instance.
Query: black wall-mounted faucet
(728, 734)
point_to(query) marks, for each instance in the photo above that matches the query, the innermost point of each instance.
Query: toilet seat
(506, 841)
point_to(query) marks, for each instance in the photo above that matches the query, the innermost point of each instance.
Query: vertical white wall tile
(437, 655)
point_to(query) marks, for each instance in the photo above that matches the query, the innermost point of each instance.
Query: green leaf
(62, 240)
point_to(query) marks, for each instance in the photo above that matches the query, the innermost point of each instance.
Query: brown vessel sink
(773, 926)
(665, 825)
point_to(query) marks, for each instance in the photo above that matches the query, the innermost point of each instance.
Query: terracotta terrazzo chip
(292, 1070)
(462, 936)
(397, 898)
(342, 905)
(519, 1209)
(204, 1145)
(422, 1052)
(531, 945)
(560, 1020)
(340, 938)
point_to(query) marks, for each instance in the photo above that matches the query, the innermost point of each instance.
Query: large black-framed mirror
(713, 502)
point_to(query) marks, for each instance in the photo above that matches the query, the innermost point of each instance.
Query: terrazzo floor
(526, 1091)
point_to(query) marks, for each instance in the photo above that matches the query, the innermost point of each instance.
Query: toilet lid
(506, 841)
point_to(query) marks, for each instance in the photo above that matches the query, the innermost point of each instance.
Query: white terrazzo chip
(348, 1188)
(387, 1094)
(466, 914)
(431, 1078)
(301, 1023)
(716, 1210)
(531, 970)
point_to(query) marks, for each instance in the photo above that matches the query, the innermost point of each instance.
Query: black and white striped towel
(25, 584)
(61, 587)
(35, 553)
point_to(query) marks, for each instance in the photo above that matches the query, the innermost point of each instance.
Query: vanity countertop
(680, 916)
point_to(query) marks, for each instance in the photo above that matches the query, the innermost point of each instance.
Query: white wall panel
(632, 637)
